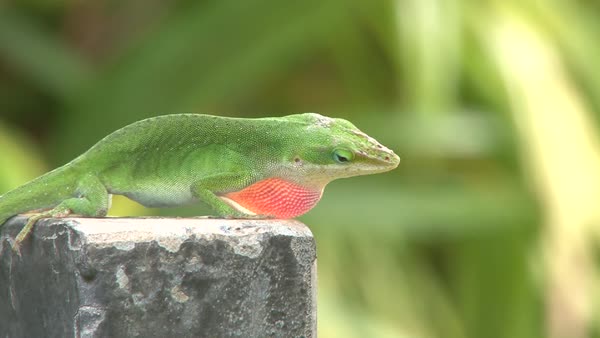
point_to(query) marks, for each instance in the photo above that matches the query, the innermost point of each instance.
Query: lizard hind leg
(91, 200)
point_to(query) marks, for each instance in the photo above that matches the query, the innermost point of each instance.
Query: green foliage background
(449, 245)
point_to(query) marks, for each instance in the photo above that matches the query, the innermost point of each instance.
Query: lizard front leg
(204, 190)
(91, 199)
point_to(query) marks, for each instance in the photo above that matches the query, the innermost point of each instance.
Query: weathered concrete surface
(131, 277)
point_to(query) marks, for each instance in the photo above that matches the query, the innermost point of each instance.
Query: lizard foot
(56, 212)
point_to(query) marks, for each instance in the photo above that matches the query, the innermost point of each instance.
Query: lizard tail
(44, 192)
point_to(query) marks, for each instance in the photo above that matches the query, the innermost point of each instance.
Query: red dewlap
(276, 197)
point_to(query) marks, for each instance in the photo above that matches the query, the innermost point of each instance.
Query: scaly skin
(242, 168)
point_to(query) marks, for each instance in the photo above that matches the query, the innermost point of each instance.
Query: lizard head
(333, 148)
(313, 151)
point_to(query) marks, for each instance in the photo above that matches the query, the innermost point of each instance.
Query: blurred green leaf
(40, 56)
(20, 160)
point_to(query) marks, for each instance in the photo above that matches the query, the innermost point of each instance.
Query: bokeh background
(489, 227)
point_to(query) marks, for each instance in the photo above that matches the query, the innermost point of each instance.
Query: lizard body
(265, 167)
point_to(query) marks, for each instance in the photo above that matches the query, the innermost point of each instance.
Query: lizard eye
(342, 155)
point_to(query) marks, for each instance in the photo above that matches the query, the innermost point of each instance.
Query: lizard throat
(275, 197)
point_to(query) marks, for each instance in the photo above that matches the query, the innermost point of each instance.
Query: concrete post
(153, 277)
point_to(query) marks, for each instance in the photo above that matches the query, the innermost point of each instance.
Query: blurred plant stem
(430, 36)
(560, 150)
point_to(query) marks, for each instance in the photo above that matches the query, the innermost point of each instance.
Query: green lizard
(242, 168)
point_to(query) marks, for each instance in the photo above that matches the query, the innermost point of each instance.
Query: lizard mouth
(381, 161)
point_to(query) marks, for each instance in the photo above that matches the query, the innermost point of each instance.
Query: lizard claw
(16, 247)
